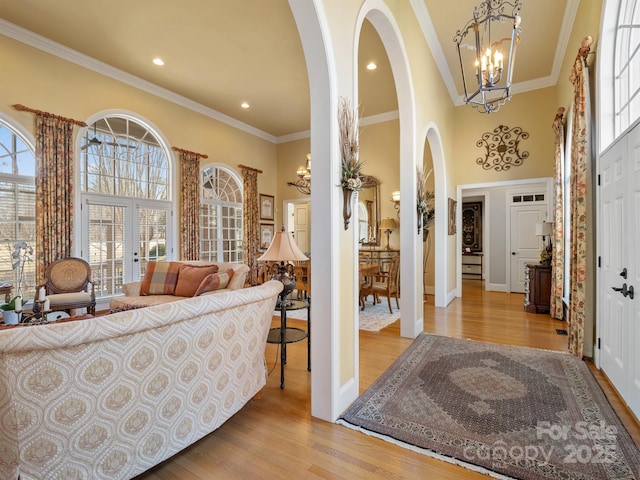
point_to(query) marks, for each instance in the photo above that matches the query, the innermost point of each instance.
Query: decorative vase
(10, 317)
(346, 210)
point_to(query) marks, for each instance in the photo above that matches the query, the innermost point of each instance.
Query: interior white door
(302, 226)
(619, 310)
(525, 245)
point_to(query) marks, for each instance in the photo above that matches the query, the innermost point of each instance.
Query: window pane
(221, 220)
(17, 197)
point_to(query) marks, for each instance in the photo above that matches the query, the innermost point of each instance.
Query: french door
(119, 238)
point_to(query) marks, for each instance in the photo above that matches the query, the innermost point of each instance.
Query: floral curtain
(557, 263)
(580, 155)
(251, 221)
(54, 190)
(189, 204)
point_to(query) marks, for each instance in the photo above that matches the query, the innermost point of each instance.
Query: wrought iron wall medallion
(502, 148)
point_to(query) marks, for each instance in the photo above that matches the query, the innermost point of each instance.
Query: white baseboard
(498, 287)
(450, 297)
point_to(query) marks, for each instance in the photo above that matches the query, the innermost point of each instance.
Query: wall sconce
(395, 198)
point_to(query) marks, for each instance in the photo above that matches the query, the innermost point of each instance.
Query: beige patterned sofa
(133, 299)
(110, 397)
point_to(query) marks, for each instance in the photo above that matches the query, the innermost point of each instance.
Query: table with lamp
(283, 249)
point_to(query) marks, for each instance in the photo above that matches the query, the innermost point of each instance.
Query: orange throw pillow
(160, 278)
(214, 281)
(190, 277)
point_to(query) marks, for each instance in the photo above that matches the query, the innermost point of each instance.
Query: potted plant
(11, 311)
(21, 254)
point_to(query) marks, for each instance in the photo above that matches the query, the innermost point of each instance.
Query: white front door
(525, 246)
(619, 224)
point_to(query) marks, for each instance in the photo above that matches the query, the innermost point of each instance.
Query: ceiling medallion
(502, 148)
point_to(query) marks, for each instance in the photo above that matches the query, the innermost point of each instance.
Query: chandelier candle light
(303, 184)
(483, 65)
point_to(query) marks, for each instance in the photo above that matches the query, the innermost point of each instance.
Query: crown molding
(54, 48)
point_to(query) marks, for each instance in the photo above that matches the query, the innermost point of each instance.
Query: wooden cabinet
(381, 257)
(537, 288)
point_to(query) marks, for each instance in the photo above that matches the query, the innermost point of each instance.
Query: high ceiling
(220, 53)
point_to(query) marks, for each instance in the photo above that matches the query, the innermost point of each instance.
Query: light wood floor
(275, 437)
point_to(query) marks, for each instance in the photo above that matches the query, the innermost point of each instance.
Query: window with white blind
(221, 215)
(18, 200)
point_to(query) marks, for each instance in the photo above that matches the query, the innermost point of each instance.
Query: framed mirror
(369, 211)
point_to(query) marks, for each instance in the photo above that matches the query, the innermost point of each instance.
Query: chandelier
(303, 184)
(487, 67)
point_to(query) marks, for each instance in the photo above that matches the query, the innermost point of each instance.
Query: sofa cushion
(214, 281)
(160, 278)
(190, 277)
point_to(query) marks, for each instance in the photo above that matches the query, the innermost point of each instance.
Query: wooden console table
(474, 263)
(537, 288)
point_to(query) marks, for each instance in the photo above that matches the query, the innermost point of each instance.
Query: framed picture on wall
(266, 207)
(452, 216)
(266, 235)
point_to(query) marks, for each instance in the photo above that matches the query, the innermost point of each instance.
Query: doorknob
(513, 253)
(625, 291)
(623, 273)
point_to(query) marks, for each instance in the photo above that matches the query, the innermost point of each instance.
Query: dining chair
(386, 283)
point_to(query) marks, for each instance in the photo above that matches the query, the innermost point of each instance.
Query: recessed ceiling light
(372, 66)
(244, 105)
(158, 61)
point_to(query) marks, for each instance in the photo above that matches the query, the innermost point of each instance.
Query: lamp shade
(388, 224)
(283, 248)
(544, 228)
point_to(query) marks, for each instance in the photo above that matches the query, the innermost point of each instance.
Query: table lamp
(544, 229)
(386, 225)
(283, 249)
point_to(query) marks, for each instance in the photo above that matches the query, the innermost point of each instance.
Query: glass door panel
(106, 247)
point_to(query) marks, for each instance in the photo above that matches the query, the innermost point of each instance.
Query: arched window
(221, 227)
(125, 176)
(619, 80)
(18, 200)
(627, 66)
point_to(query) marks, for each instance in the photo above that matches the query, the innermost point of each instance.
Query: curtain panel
(557, 263)
(54, 191)
(251, 222)
(580, 155)
(189, 205)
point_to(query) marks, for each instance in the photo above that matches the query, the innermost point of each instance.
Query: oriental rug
(509, 412)
(373, 318)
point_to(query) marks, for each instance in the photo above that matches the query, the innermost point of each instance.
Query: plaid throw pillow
(214, 281)
(160, 278)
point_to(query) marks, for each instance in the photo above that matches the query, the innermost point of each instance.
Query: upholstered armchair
(68, 286)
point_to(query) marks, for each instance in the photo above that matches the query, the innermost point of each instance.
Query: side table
(284, 335)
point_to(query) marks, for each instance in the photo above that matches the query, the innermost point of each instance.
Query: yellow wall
(533, 112)
(45, 82)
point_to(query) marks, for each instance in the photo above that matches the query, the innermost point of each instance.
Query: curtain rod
(182, 150)
(22, 108)
(249, 168)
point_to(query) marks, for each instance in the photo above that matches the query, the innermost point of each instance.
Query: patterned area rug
(374, 317)
(506, 411)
